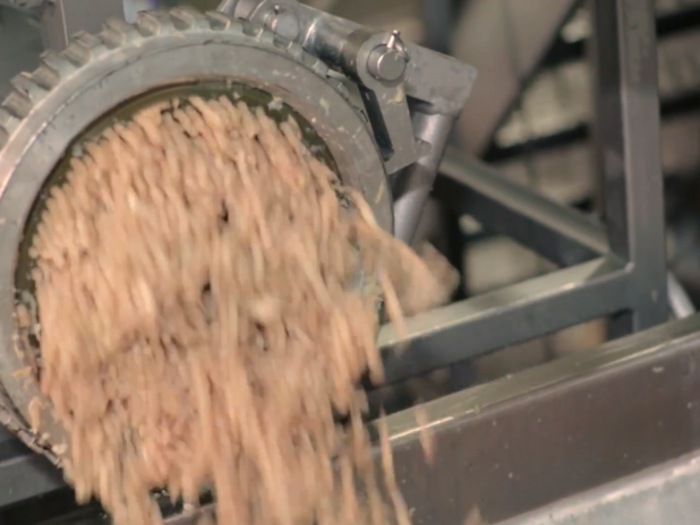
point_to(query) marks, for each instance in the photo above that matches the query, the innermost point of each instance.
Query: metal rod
(505, 317)
(670, 489)
(555, 231)
(559, 233)
(412, 186)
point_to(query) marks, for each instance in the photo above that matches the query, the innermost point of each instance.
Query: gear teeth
(28, 88)
(17, 104)
(8, 122)
(280, 41)
(46, 78)
(59, 65)
(150, 23)
(267, 37)
(83, 48)
(252, 29)
(186, 18)
(116, 33)
(218, 21)
(88, 40)
(339, 87)
(295, 50)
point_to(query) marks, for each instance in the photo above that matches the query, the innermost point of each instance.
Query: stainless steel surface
(25, 4)
(23, 473)
(412, 187)
(53, 106)
(528, 440)
(61, 19)
(667, 494)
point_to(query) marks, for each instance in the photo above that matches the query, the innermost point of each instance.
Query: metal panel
(660, 495)
(23, 474)
(525, 441)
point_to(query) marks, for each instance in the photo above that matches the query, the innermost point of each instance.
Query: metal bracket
(411, 95)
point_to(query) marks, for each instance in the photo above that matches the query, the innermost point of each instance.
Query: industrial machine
(379, 110)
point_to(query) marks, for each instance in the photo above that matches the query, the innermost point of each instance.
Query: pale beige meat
(201, 325)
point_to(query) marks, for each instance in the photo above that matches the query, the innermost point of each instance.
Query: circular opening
(275, 108)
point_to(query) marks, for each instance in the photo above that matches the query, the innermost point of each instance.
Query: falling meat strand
(197, 287)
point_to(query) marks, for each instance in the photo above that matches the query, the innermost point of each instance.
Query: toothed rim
(117, 47)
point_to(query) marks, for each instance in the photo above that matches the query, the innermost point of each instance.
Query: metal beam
(505, 317)
(663, 494)
(23, 474)
(623, 50)
(557, 232)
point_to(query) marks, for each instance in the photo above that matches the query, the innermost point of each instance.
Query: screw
(284, 22)
(388, 61)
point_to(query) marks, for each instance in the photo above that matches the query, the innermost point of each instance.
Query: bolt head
(386, 64)
(285, 24)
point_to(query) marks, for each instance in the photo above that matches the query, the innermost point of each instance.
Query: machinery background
(562, 230)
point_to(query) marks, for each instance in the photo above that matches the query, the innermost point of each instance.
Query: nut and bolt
(388, 61)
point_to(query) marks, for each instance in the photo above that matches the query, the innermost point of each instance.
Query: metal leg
(623, 49)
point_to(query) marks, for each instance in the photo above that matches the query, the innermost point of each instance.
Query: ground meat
(202, 327)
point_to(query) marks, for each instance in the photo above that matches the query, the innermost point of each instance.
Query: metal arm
(412, 95)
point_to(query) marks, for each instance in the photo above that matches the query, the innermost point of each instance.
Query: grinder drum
(100, 80)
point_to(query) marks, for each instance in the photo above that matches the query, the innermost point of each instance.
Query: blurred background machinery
(570, 201)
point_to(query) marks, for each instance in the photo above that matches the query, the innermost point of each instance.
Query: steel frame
(618, 269)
